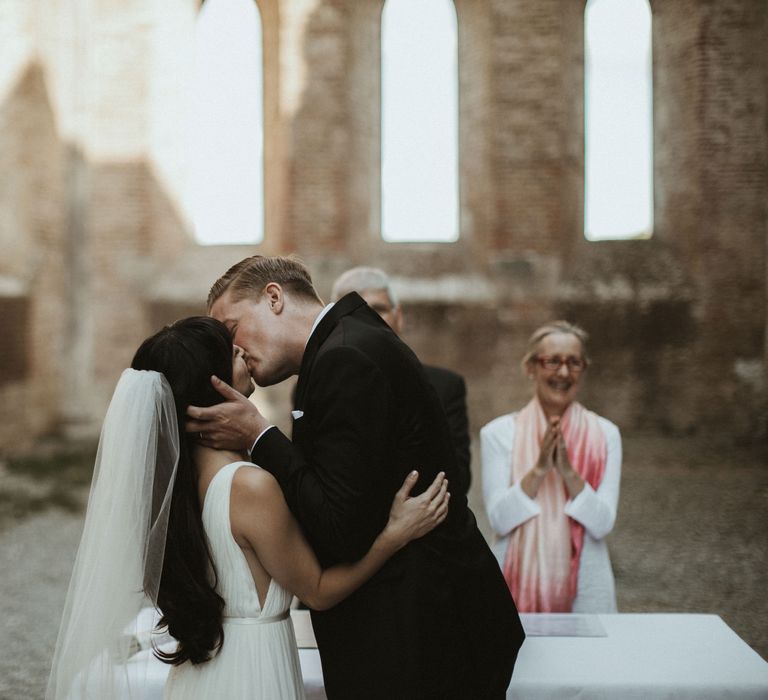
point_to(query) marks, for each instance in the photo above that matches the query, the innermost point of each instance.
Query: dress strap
(261, 620)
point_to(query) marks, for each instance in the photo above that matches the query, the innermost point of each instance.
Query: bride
(204, 535)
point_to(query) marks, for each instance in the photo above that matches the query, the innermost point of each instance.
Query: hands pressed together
(553, 455)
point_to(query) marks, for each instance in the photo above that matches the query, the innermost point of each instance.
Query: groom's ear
(275, 297)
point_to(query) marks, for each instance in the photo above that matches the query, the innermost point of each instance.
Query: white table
(642, 657)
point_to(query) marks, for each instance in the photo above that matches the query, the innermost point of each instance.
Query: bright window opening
(226, 140)
(419, 122)
(618, 110)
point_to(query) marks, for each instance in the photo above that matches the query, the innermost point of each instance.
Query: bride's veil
(119, 561)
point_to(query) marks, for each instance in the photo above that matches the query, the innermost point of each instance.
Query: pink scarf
(542, 561)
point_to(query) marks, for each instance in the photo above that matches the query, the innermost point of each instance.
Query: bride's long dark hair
(188, 352)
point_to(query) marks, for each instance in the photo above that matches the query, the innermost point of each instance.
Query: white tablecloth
(642, 657)
(646, 657)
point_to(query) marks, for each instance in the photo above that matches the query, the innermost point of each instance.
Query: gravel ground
(36, 558)
(691, 534)
(690, 537)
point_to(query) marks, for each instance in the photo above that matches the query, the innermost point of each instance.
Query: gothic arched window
(226, 144)
(419, 121)
(618, 115)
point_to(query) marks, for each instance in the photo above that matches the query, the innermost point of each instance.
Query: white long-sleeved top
(508, 507)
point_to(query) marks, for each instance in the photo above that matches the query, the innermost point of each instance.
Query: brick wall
(95, 233)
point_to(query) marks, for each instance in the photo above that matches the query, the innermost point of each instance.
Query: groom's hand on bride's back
(233, 424)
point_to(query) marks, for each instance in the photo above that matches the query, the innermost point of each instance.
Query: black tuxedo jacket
(452, 392)
(437, 621)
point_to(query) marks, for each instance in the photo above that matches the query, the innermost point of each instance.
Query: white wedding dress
(259, 659)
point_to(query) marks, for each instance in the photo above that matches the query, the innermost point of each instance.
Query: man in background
(375, 287)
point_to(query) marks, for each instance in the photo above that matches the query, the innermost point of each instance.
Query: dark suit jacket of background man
(452, 392)
(437, 621)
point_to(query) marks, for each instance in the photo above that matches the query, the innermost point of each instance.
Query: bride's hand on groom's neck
(233, 424)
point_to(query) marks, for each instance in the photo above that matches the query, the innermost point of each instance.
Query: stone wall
(97, 248)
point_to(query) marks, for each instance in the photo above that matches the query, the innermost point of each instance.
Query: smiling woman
(555, 367)
(551, 484)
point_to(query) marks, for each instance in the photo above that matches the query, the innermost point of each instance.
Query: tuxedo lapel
(343, 307)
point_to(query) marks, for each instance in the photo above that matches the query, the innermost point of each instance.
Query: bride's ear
(275, 298)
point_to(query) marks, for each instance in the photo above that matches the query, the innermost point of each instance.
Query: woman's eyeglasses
(552, 363)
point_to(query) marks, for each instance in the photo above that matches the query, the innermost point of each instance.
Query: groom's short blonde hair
(249, 278)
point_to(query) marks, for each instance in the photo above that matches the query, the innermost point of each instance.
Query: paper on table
(562, 625)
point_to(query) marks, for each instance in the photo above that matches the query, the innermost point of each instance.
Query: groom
(437, 621)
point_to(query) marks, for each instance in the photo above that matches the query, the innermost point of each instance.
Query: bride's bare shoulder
(255, 487)
(253, 481)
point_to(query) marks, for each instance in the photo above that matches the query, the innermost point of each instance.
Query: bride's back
(221, 477)
(258, 657)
